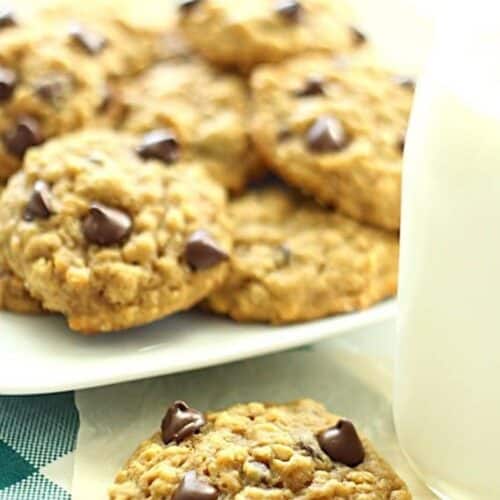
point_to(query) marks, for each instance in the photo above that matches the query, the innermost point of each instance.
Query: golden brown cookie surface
(45, 90)
(205, 109)
(294, 261)
(260, 452)
(244, 34)
(335, 130)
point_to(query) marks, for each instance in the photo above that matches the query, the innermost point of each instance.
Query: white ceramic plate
(39, 354)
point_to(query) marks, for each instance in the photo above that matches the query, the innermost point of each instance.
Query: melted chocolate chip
(8, 82)
(192, 487)
(180, 422)
(342, 444)
(25, 134)
(202, 252)
(7, 18)
(39, 205)
(358, 36)
(405, 82)
(186, 6)
(159, 144)
(401, 143)
(326, 135)
(54, 87)
(105, 225)
(289, 9)
(284, 134)
(91, 41)
(313, 86)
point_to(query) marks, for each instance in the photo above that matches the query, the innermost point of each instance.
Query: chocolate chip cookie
(119, 36)
(45, 89)
(102, 228)
(295, 261)
(335, 129)
(244, 34)
(257, 451)
(204, 110)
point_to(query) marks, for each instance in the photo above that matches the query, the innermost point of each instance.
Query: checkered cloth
(36, 434)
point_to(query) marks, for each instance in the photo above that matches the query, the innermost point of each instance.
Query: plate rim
(297, 337)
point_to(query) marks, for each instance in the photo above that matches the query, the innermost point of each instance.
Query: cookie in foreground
(294, 261)
(257, 451)
(244, 34)
(111, 231)
(335, 129)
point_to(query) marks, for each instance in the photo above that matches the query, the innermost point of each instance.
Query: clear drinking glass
(447, 386)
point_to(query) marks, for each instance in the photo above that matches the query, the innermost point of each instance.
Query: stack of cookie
(134, 141)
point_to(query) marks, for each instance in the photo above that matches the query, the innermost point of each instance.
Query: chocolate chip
(289, 9)
(358, 36)
(192, 487)
(8, 82)
(284, 134)
(401, 143)
(7, 17)
(25, 134)
(342, 444)
(202, 252)
(313, 86)
(105, 225)
(180, 422)
(53, 87)
(186, 6)
(404, 81)
(91, 41)
(39, 205)
(159, 144)
(326, 135)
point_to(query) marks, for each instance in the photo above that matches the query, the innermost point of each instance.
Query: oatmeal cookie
(205, 110)
(244, 34)
(335, 129)
(45, 90)
(102, 228)
(294, 261)
(257, 451)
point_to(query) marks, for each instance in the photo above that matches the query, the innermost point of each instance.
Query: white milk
(447, 391)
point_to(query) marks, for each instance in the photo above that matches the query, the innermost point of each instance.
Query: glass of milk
(447, 386)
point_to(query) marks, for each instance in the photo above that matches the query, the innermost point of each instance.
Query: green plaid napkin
(35, 433)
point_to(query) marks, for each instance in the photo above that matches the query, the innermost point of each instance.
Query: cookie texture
(109, 238)
(256, 451)
(14, 296)
(335, 129)
(45, 90)
(206, 111)
(120, 37)
(244, 34)
(294, 261)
